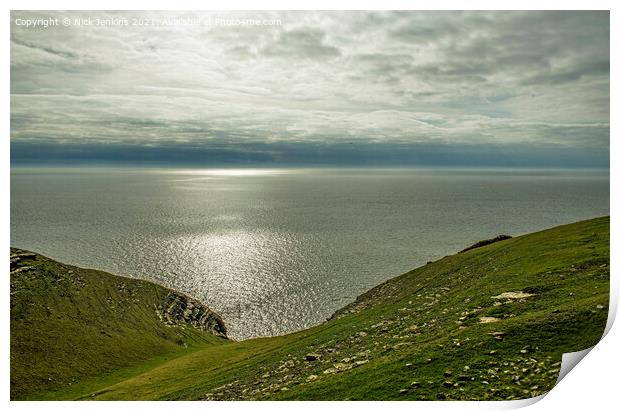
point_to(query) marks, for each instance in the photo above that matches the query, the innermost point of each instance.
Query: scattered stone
(23, 255)
(342, 366)
(312, 357)
(447, 374)
(312, 377)
(513, 295)
(486, 320)
(22, 269)
(403, 391)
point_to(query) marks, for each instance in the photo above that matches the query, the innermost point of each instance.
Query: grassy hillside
(488, 323)
(69, 325)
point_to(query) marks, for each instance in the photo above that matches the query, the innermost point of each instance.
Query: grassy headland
(70, 325)
(488, 323)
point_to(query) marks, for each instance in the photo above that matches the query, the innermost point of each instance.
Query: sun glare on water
(231, 172)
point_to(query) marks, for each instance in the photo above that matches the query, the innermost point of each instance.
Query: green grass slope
(74, 326)
(488, 323)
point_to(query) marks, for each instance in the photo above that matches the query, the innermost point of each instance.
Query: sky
(310, 88)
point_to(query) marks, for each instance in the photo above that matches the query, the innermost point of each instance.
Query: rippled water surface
(277, 250)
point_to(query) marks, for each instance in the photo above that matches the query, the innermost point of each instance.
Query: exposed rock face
(17, 257)
(179, 309)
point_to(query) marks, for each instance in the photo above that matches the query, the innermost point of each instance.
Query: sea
(277, 250)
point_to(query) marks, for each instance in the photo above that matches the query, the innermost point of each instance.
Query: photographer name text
(49, 22)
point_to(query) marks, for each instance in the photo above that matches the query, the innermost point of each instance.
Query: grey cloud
(426, 30)
(332, 79)
(573, 74)
(50, 50)
(301, 44)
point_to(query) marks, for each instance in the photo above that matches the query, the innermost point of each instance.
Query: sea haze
(276, 250)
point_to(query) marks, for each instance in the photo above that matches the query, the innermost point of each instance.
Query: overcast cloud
(477, 88)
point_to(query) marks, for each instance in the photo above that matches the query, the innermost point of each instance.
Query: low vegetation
(488, 323)
(69, 325)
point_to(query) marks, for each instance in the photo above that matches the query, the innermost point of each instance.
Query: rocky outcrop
(175, 309)
(179, 309)
(17, 260)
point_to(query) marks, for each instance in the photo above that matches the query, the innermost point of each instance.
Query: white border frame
(593, 382)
